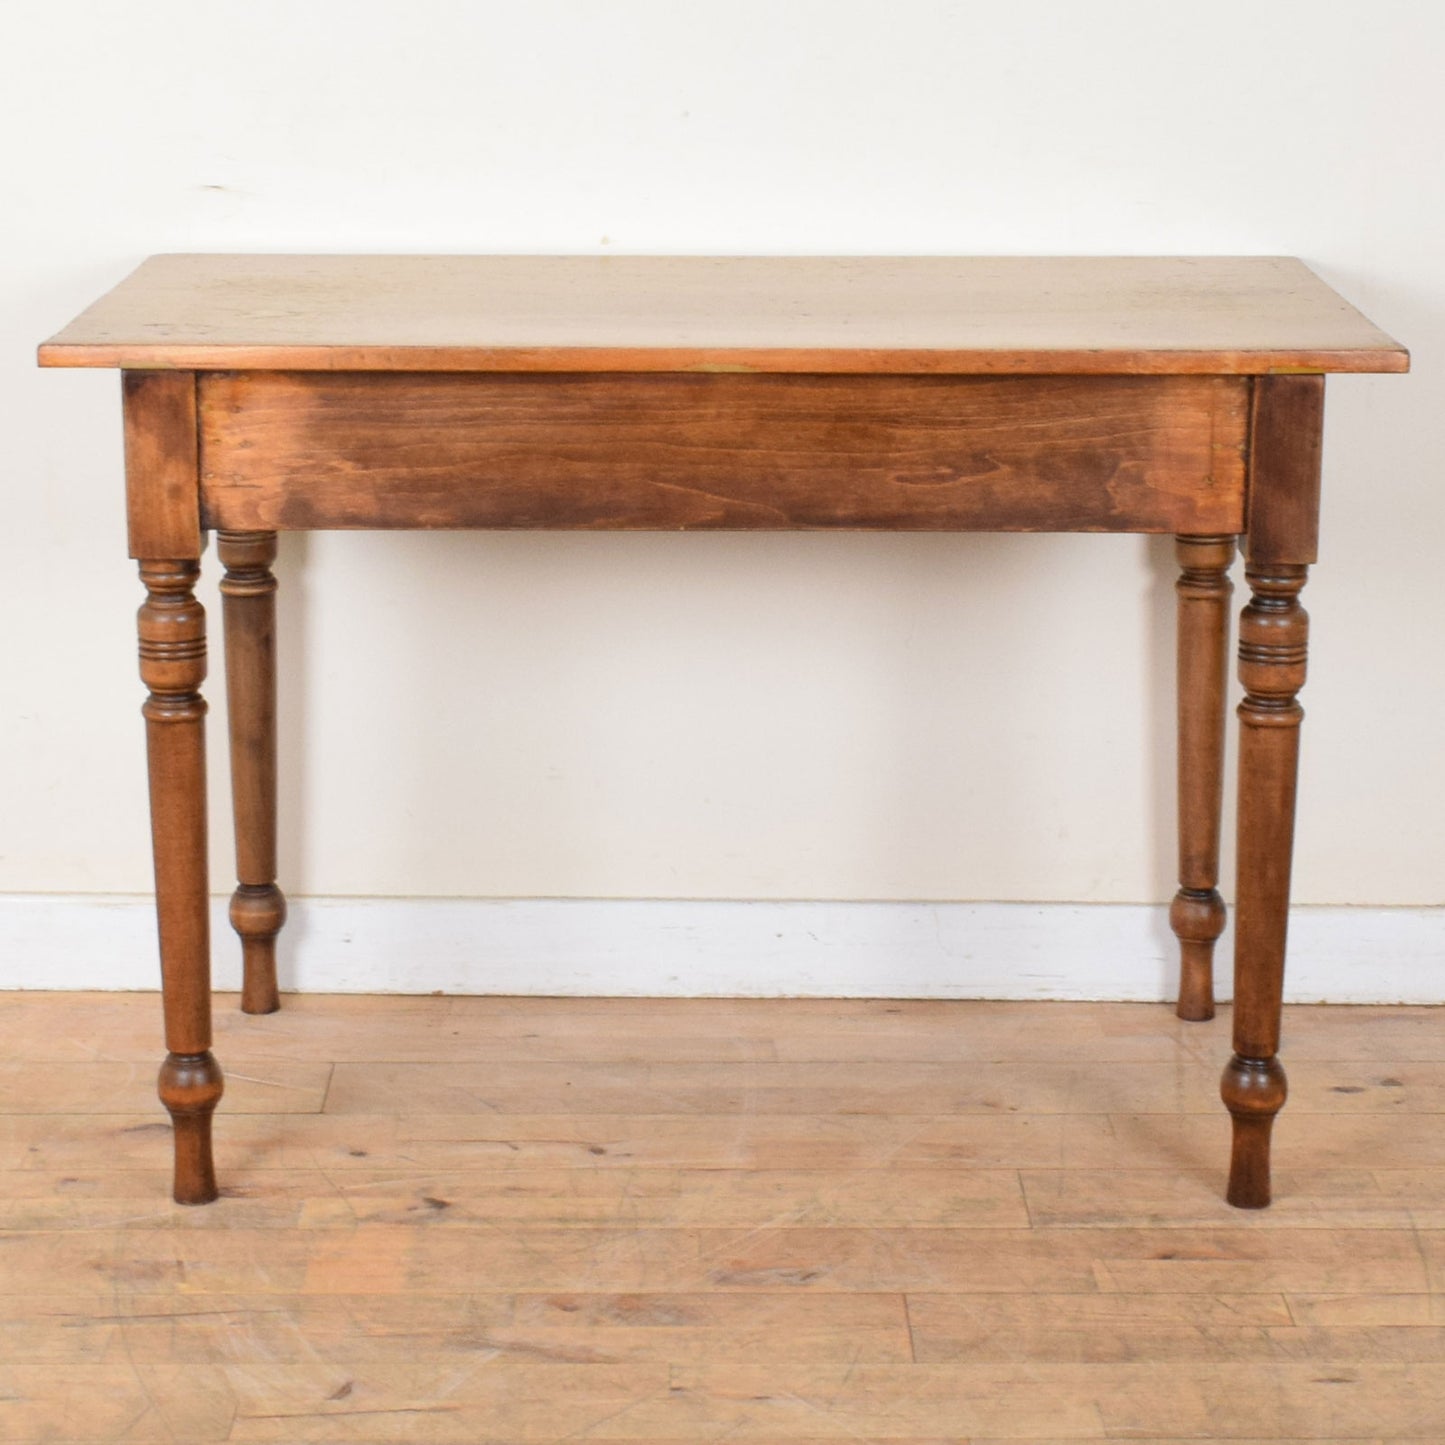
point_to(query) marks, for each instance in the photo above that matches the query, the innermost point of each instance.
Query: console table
(1173, 395)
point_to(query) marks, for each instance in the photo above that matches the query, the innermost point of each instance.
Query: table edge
(1377, 360)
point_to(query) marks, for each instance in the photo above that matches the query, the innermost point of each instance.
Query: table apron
(722, 451)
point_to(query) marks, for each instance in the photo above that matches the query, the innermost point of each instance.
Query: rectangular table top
(898, 315)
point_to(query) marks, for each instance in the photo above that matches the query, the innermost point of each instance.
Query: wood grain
(1386, 1042)
(1286, 452)
(863, 1271)
(269, 1084)
(162, 493)
(664, 452)
(348, 1330)
(765, 1257)
(894, 315)
(69, 1143)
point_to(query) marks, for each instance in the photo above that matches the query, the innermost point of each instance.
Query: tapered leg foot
(1254, 1092)
(190, 1086)
(258, 909)
(1197, 914)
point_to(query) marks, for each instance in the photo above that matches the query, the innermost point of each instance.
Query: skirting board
(762, 949)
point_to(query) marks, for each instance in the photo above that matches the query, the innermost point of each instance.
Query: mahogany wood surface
(248, 605)
(272, 393)
(1197, 913)
(310, 450)
(1015, 314)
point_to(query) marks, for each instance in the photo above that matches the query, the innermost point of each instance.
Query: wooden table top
(990, 315)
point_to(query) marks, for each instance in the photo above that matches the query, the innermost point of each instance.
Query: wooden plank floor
(500, 1219)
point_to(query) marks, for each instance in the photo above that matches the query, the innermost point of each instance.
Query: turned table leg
(1197, 914)
(258, 907)
(172, 628)
(1273, 637)
(1272, 641)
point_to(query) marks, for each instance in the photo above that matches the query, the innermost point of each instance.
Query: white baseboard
(625, 947)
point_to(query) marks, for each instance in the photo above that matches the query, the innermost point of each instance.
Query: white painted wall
(723, 717)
